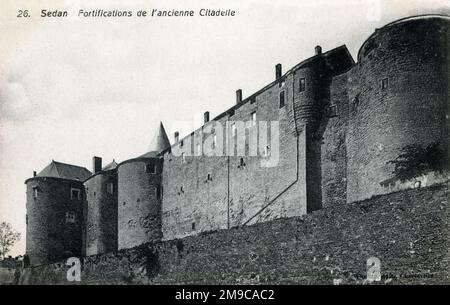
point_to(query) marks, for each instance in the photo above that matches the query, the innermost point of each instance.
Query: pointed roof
(160, 140)
(159, 143)
(65, 171)
(110, 166)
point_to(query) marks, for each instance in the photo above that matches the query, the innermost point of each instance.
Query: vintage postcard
(212, 142)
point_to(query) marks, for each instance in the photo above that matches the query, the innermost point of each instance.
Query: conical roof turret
(159, 142)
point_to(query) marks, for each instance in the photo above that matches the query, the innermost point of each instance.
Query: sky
(72, 88)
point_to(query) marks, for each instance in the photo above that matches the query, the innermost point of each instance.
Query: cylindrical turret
(140, 192)
(54, 219)
(398, 96)
(101, 212)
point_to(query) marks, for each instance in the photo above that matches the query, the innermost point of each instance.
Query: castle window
(267, 150)
(384, 83)
(158, 192)
(281, 99)
(332, 111)
(110, 188)
(181, 190)
(193, 226)
(150, 168)
(282, 83)
(70, 217)
(214, 142)
(35, 192)
(208, 177)
(75, 193)
(233, 129)
(253, 118)
(302, 85)
(241, 163)
(181, 143)
(183, 157)
(253, 100)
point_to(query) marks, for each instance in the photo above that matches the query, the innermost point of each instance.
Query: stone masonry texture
(317, 210)
(408, 231)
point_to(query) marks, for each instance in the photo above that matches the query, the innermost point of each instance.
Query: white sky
(74, 88)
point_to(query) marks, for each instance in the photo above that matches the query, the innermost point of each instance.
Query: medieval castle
(340, 123)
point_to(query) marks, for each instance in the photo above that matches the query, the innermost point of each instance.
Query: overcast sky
(74, 88)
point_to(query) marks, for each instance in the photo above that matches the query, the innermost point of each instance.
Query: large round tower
(398, 96)
(54, 213)
(140, 195)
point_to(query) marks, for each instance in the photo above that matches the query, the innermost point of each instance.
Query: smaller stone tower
(140, 195)
(54, 212)
(100, 235)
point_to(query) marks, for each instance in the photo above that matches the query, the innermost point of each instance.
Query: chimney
(277, 71)
(34, 173)
(206, 117)
(318, 50)
(96, 164)
(176, 135)
(238, 96)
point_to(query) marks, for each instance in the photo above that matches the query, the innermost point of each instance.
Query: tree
(8, 237)
(415, 160)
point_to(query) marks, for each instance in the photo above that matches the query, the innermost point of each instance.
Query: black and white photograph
(216, 144)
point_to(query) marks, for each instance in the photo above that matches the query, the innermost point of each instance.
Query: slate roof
(110, 166)
(160, 140)
(65, 171)
(159, 143)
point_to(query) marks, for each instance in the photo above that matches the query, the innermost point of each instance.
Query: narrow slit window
(214, 141)
(253, 118)
(35, 192)
(158, 192)
(384, 83)
(110, 188)
(302, 85)
(281, 99)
